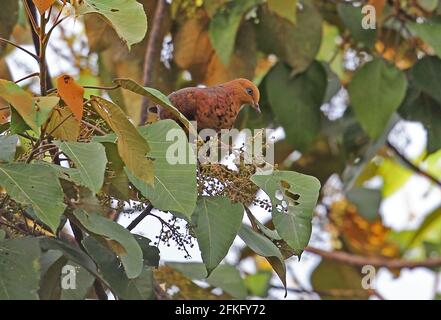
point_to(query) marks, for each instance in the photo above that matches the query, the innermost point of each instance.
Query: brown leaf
(378, 5)
(72, 93)
(5, 112)
(192, 46)
(43, 5)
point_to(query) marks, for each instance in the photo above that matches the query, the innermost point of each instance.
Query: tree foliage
(73, 154)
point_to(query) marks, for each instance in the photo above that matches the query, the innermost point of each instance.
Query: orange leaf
(72, 94)
(43, 5)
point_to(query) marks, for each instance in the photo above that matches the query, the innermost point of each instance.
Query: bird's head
(247, 93)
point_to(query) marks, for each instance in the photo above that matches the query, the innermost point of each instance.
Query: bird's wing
(185, 101)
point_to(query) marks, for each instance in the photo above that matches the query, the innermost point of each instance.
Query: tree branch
(360, 261)
(32, 15)
(413, 166)
(19, 47)
(139, 218)
(153, 47)
(336, 293)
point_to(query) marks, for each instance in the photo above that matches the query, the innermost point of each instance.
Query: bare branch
(360, 261)
(153, 47)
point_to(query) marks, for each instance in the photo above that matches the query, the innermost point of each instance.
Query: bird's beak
(257, 107)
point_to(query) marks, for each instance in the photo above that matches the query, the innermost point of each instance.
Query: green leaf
(192, 270)
(423, 108)
(366, 200)
(157, 97)
(68, 174)
(8, 146)
(36, 185)
(150, 253)
(224, 25)
(376, 91)
(84, 282)
(266, 248)
(8, 19)
(20, 100)
(33, 110)
(216, 221)
(18, 125)
(90, 159)
(127, 17)
(258, 284)
(228, 278)
(52, 263)
(296, 101)
(174, 188)
(117, 238)
(293, 197)
(259, 243)
(429, 31)
(428, 230)
(116, 181)
(132, 147)
(19, 269)
(394, 176)
(426, 74)
(284, 8)
(296, 44)
(73, 254)
(333, 275)
(138, 288)
(352, 18)
(43, 107)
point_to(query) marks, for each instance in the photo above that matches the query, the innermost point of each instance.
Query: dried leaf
(43, 5)
(72, 93)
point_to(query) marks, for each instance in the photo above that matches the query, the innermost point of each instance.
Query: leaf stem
(413, 166)
(139, 218)
(152, 50)
(19, 47)
(35, 74)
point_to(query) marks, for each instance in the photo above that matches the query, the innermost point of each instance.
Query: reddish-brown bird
(214, 107)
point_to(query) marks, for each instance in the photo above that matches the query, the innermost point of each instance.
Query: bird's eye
(250, 91)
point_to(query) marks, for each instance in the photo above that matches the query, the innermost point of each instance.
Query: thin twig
(31, 12)
(59, 125)
(360, 261)
(27, 136)
(95, 128)
(13, 227)
(337, 293)
(413, 166)
(153, 47)
(102, 87)
(35, 74)
(32, 15)
(19, 47)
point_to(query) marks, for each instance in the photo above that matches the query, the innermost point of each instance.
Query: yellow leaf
(132, 147)
(63, 125)
(72, 93)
